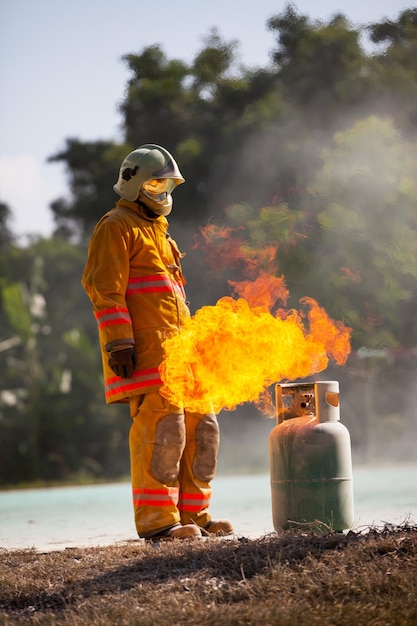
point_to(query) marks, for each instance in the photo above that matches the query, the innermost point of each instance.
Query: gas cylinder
(310, 459)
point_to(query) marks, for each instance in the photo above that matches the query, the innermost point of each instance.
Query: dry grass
(293, 578)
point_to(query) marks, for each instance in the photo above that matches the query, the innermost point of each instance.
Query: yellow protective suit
(134, 280)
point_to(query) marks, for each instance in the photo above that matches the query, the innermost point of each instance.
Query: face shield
(158, 189)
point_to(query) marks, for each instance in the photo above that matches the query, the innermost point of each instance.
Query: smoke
(348, 199)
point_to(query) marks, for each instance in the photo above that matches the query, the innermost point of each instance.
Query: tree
(320, 66)
(52, 426)
(92, 169)
(5, 233)
(368, 193)
(201, 112)
(394, 70)
(156, 108)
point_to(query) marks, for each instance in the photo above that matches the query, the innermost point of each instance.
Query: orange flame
(225, 249)
(263, 292)
(212, 239)
(229, 353)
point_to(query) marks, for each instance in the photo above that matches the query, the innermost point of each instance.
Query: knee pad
(168, 448)
(207, 439)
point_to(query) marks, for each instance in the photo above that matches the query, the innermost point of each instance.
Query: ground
(295, 577)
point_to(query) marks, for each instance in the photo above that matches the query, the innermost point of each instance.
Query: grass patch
(289, 578)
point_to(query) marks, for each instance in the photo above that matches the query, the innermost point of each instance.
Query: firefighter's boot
(220, 528)
(188, 531)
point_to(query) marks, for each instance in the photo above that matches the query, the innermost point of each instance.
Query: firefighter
(134, 279)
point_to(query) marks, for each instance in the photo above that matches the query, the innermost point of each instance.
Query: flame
(334, 335)
(263, 292)
(225, 249)
(228, 354)
(213, 239)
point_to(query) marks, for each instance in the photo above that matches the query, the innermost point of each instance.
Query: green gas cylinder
(310, 459)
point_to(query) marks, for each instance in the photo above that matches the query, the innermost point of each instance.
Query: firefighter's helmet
(149, 174)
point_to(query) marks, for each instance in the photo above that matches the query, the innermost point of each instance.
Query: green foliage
(214, 61)
(16, 309)
(368, 192)
(156, 103)
(90, 167)
(52, 423)
(397, 34)
(5, 232)
(321, 66)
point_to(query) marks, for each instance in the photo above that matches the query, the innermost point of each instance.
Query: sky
(62, 75)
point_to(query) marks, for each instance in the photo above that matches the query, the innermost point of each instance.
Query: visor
(158, 188)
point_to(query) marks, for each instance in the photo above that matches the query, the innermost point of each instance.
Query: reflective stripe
(193, 501)
(112, 316)
(178, 287)
(159, 283)
(147, 284)
(155, 497)
(140, 378)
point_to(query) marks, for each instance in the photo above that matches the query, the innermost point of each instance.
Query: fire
(230, 353)
(225, 249)
(263, 292)
(212, 240)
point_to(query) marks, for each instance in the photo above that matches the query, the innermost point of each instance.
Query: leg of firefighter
(156, 442)
(198, 468)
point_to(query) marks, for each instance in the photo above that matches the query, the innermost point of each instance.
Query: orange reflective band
(155, 497)
(194, 501)
(158, 283)
(140, 378)
(112, 316)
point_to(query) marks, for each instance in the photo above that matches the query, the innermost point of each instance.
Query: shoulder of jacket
(122, 215)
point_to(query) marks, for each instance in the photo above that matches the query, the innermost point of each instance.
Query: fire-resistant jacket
(134, 279)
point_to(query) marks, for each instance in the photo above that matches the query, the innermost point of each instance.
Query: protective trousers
(173, 456)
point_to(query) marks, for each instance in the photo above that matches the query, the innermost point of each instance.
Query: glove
(123, 362)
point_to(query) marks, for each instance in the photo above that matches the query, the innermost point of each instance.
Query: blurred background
(295, 130)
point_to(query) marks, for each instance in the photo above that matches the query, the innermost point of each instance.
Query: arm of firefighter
(105, 280)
